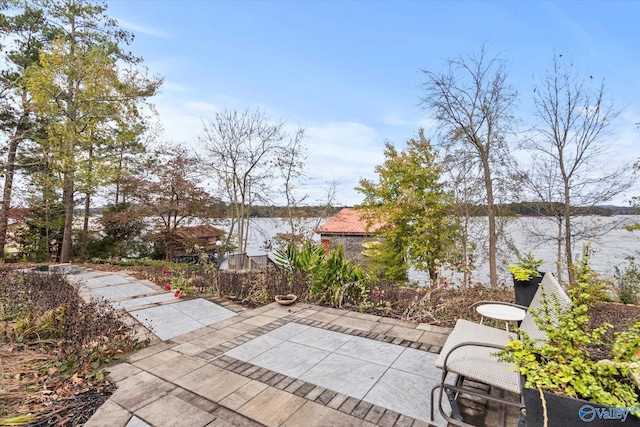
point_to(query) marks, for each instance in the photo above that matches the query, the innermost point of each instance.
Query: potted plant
(526, 278)
(565, 384)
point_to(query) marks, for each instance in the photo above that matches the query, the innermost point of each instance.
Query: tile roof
(199, 232)
(348, 221)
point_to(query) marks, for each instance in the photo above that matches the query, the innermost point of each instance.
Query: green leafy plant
(587, 280)
(563, 364)
(526, 267)
(626, 282)
(334, 278)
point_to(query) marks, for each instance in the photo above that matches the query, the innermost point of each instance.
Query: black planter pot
(525, 290)
(568, 412)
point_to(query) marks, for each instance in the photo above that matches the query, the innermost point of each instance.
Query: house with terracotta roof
(348, 227)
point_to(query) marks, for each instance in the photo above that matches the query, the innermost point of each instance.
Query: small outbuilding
(195, 238)
(348, 227)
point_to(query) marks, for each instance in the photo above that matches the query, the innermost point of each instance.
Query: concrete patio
(214, 363)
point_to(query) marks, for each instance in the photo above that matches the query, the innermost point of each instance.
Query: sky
(350, 72)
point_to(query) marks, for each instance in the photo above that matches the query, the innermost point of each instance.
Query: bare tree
(570, 148)
(240, 148)
(466, 183)
(290, 163)
(472, 103)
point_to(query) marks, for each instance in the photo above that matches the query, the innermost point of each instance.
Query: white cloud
(176, 87)
(182, 120)
(342, 152)
(336, 151)
(395, 120)
(428, 124)
(137, 28)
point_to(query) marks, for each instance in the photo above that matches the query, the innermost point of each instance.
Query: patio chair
(469, 353)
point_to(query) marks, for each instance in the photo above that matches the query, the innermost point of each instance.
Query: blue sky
(349, 72)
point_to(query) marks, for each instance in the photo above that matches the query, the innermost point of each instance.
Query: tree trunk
(491, 216)
(67, 234)
(559, 257)
(7, 191)
(465, 247)
(85, 226)
(568, 250)
(87, 206)
(119, 177)
(567, 227)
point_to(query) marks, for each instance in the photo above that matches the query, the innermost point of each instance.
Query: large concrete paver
(137, 422)
(139, 390)
(272, 407)
(170, 411)
(110, 414)
(176, 368)
(211, 382)
(244, 394)
(314, 415)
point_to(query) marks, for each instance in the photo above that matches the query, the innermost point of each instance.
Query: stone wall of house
(352, 245)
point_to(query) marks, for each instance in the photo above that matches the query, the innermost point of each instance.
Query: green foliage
(335, 280)
(412, 201)
(526, 267)
(87, 92)
(121, 225)
(306, 259)
(588, 281)
(563, 364)
(42, 233)
(387, 262)
(626, 282)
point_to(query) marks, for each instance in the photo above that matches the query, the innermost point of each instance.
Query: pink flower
(194, 287)
(376, 293)
(167, 287)
(178, 294)
(164, 271)
(445, 284)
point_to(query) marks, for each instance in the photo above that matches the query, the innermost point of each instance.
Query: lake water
(609, 250)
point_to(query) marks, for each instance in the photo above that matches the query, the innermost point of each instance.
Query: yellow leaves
(16, 421)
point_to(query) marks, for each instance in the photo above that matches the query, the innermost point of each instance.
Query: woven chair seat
(476, 362)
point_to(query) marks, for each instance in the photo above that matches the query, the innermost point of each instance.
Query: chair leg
(501, 410)
(522, 417)
(433, 391)
(451, 396)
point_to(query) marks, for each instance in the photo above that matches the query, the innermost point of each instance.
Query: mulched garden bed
(53, 350)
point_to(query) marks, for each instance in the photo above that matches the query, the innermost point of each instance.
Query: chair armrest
(467, 344)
